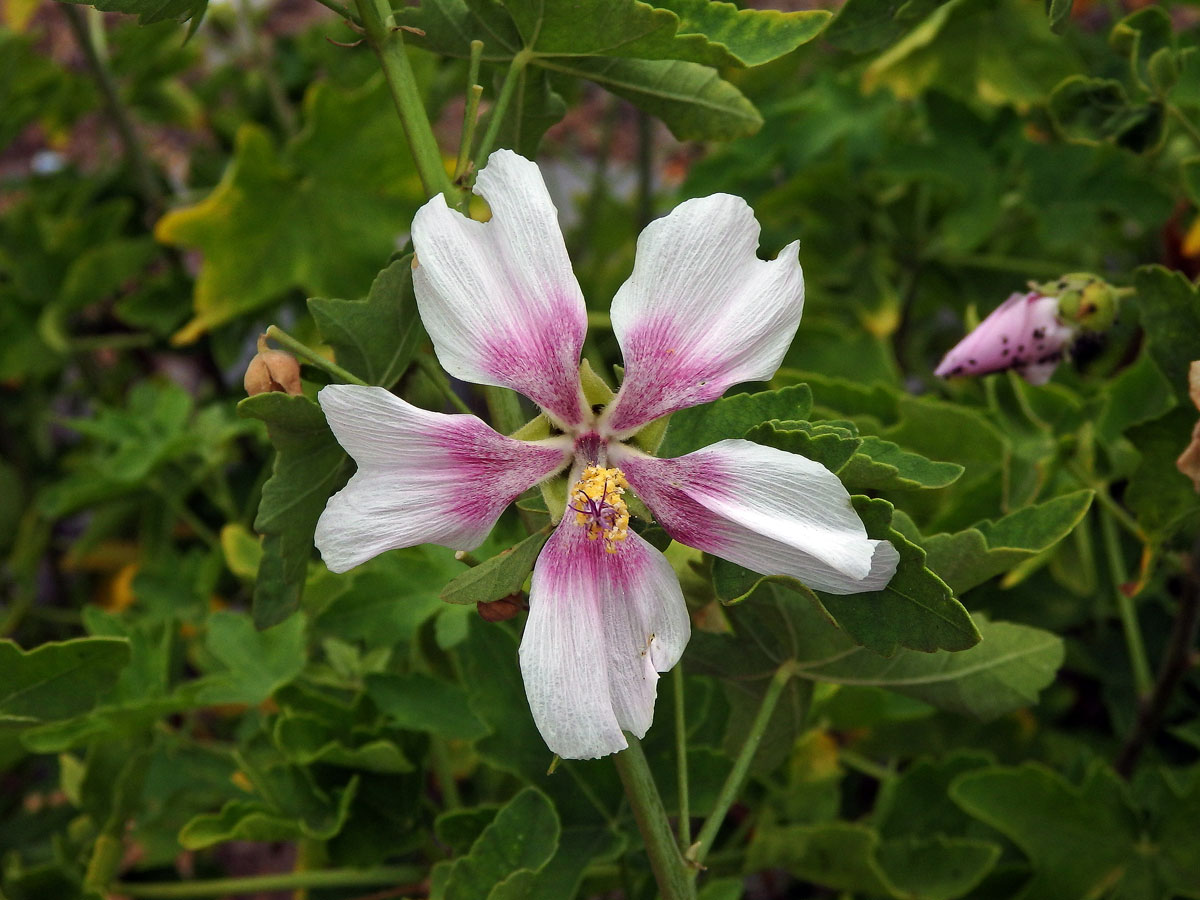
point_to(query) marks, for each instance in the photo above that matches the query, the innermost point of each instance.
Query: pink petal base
(601, 627)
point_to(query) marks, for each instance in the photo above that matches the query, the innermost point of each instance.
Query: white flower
(699, 314)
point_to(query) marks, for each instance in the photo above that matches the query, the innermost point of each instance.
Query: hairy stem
(671, 871)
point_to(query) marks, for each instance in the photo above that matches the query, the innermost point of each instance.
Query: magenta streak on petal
(493, 468)
(664, 373)
(541, 360)
(589, 653)
(663, 486)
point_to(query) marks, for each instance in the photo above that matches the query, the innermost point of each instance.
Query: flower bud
(1024, 333)
(1031, 333)
(271, 370)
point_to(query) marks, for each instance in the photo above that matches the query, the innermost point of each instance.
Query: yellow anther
(599, 506)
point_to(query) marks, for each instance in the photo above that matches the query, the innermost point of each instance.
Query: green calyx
(1084, 300)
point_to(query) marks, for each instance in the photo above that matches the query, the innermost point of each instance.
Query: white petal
(601, 627)
(423, 477)
(701, 311)
(775, 512)
(499, 298)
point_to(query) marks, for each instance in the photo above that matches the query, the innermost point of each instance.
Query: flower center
(598, 506)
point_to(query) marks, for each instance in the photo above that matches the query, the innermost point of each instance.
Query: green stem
(671, 871)
(312, 357)
(389, 47)
(148, 185)
(89, 342)
(1022, 266)
(645, 169)
(1143, 679)
(504, 409)
(470, 115)
(261, 61)
(1188, 125)
(741, 765)
(443, 772)
(435, 374)
(180, 508)
(287, 881)
(1105, 499)
(681, 761)
(860, 763)
(496, 117)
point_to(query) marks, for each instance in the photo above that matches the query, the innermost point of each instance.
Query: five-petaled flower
(699, 314)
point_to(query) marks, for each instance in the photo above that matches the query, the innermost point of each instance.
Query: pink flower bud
(1023, 333)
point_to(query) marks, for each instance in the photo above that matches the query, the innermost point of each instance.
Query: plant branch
(741, 766)
(496, 118)
(681, 761)
(670, 869)
(466, 140)
(286, 881)
(1176, 662)
(312, 357)
(147, 183)
(261, 61)
(389, 48)
(435, 374)
(1188, 125)
(1143, 681)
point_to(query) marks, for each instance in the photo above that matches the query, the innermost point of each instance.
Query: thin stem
(259, 58)
(496, 117)
(588, 792)
(1020, 265)
(741, 765)
(681, 761)
(148, 185)
(670, 869)
(443, 773)
(470, 114)
(1143, 680)
(645, 169)
(435, 374)
(860, 763)
(1188, 125)
(1105, 499)
(389, 47)
(88, 342)
(312, 357)
(286, 881)
(504, 409)
(184, 512)
(1176, 662)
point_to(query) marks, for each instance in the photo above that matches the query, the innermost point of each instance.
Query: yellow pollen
(597, 502)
